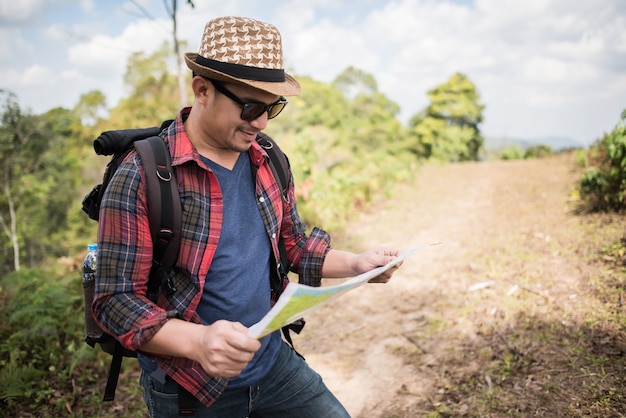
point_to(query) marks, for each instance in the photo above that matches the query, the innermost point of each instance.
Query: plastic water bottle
(93, 331)
(89, 263)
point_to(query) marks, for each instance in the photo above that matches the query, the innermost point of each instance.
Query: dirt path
(399, 347)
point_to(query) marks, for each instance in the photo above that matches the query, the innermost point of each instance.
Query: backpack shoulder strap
(164, 207)
(278, 162)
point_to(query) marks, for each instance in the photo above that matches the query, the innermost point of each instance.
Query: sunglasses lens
(252, 111)
(276, 108)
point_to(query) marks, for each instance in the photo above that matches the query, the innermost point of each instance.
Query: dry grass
(519, 313)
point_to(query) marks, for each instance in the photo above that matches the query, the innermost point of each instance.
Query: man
(196, 352)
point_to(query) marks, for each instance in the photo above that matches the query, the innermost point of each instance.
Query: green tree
(353, 82)
(447, 129)
(171, 8)
(39, 181)
(538, 151)
(372, 125)
(91, 107)
(342, 140)
(11, 140)
(153, 92)
(63, 166)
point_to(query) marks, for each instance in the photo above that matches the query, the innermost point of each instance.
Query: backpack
(165, 217)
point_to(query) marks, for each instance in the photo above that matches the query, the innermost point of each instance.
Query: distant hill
(556, 143)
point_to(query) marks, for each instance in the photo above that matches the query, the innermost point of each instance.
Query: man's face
(223, 114)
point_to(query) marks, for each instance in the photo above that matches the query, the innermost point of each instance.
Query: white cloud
(101, 55)
(27, 12)
(19, 11)
(103, 59)
(324, 50)
(57, 33)
(86, 5)
(36, 76)
(12, 45)
(33, 86)
(33, 76)
(530, 60)
(555, 66)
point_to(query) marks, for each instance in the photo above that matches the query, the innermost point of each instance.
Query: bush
(538, 151)
(512, 153)
(41, 328)
(603, 185)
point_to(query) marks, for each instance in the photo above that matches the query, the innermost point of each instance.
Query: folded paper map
(298, 300)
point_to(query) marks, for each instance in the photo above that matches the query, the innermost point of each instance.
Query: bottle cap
(92, 247)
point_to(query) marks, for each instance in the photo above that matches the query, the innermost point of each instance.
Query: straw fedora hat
(245, 51)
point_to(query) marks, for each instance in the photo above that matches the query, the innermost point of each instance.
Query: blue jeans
(290, 389)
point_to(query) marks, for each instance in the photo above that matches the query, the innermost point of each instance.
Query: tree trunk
(11, 230)
(182, 88)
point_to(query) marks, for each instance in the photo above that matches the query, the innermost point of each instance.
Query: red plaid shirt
(122, 304)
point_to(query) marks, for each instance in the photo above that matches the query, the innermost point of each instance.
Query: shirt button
(274, 235)
(261, 199)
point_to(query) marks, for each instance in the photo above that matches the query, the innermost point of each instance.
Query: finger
(241, 341)
(391, 252)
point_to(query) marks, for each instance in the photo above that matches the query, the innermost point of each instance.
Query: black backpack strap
(280, 168)
(187, 403)
(164, 207)
(165, 213)
(279, 164)
(114, 372)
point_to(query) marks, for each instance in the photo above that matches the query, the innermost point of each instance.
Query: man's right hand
(225, 348)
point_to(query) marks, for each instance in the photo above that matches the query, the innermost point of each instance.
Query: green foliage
(603, 185)
(512, 153)
(448, 129)
(516, 152)
(154, 92)
(40, 330)
(538, 151)
(38, 169)
(91, 107)
(354, 82)
(345, 146)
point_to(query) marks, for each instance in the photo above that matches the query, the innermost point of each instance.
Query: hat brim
(289, 87)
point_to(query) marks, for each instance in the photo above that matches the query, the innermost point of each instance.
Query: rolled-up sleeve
(121, 304)
(316, 247)
(305, 252)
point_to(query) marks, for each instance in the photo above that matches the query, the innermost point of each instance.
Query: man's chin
(241, 146)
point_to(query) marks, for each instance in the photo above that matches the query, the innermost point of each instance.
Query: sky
(543, 68)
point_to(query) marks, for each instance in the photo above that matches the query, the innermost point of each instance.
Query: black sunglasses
(252, 110)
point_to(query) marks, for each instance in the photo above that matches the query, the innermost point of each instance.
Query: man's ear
(201, 89)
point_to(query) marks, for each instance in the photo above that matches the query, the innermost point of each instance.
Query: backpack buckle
(163, 173)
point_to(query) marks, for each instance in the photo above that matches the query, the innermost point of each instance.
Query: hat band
(243, 71)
